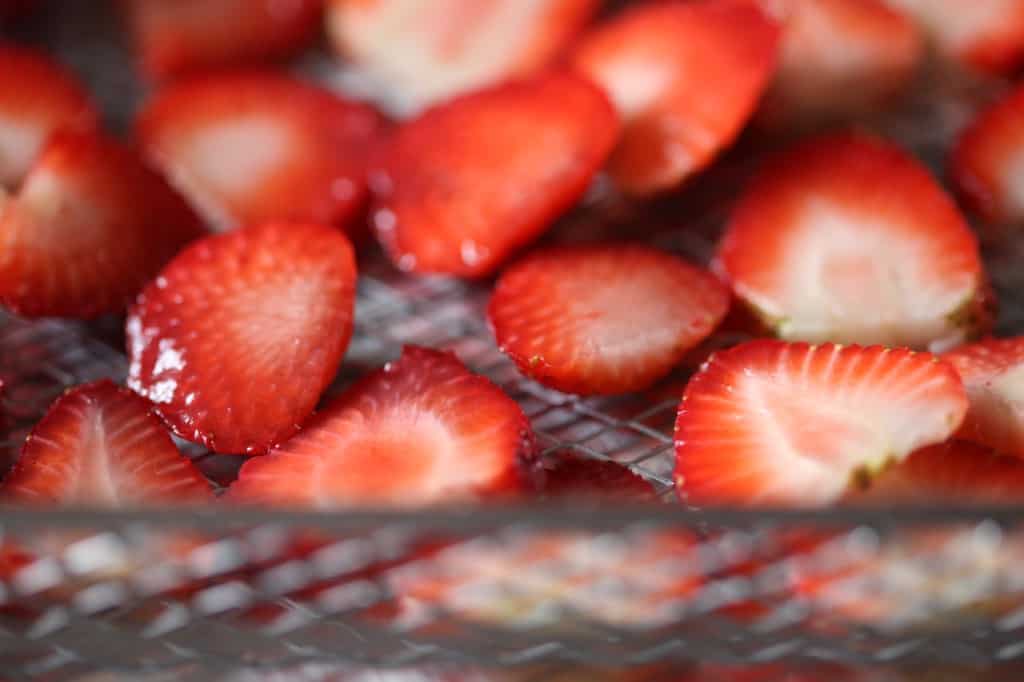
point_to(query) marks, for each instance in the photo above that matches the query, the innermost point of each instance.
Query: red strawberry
(603, 319)
(987, 35)
(846, 238)
(685, 78)
(421, 430)
(37, 97)
(987, 163)
(840, 58)
(776, 423)
(100, 444)
(241, 333)
(417, 53)
(88, 228)
(13, 9)
(466, 184)
(188, 35)
(570, 476)
(993, 373)
(252, 147)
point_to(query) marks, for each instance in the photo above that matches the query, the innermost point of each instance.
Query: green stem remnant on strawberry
(846, 238)
(422, 430)
(774, 423)
(240, 334)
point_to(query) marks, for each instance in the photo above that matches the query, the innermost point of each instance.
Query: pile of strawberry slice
(229, 230)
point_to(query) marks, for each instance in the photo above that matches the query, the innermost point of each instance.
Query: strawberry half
(469, 182)
(987, 162)
(656, 63)
(89, 226)
(567, 475)
(840, 59)
(993, 373)
(239, 335)
(774, 423)
(416, 53)
(846, 238)
(101, 445)
(252, 147)
(188, 35)
(603, 319)
(421, 430)
(37, 97)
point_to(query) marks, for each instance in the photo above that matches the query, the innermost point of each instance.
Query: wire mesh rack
(655, 592)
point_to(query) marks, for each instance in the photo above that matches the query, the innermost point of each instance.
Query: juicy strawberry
(839, 59)
(993, 373)
(770, 422)
(570, 476)
(239, 335)
(100, 444)
(469, 182)
(88, 228)
(421, 430)
(603, 319)
(417, 53)
(37, 97)
(187, 35)
(986, 35)
(252, 147)
(846, 238)
(988, 160)
(657, 62)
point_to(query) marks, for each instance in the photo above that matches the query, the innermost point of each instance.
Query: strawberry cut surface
(791, 424)
(239, 335)
(469, 182)
(89, 226)
(101, 445)
(846, 238)
(603, 319)
(250, 147)
(658, 62)
(421, 430)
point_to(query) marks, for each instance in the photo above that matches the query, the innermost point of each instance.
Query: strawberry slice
(774, 423)
(466, 184)
(88, 228)
(188, 35)
(846, 238)
(603, 319)
(988, 159)
(100, 444)
(993, 373)
(567, 475)
(253, 147)
(421, 430)
(37, 97)
(416, 53)
(984, 35)
(656, 63)
(240, 334)
(840, 59)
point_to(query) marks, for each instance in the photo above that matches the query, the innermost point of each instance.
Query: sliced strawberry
(987, 163)
(993, 373)
(567, 475)
(603, 319)
(770, 422)
(421, 430)
(241, 333)
(252, 147)
(88, 228)
(466, 184)
(846, 238)
(840, 59)
(657, 63)
(417, 53)
(37, 97)
(100, 444)
(987, 35)
(187, 35)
